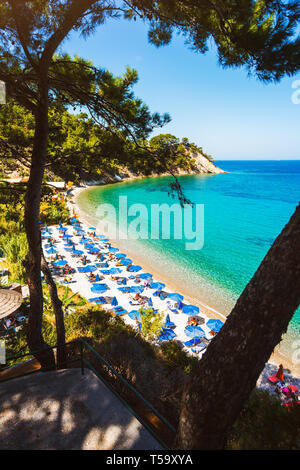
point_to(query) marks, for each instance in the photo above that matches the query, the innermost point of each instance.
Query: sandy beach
(82, 286)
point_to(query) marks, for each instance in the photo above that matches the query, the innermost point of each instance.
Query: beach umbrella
(101, 237)
(194, 332)
(114, 301)
(167, 334)
(77, 252)
(126, 262)
(90, 269)
(135, 315)
(190, 309)
(157, 285)
(97, 278)
(99, 288)
(94, 250)
(215, 325)
(99, 300)
(150, 303)
(115, 270)
(66, 236)
(134, 268)
(145, 276)
(61, 262)
(113, 250)
(176, 297)
(92, 228)
(136, 289)
(120, 255)
(51, 250)
(102, 265)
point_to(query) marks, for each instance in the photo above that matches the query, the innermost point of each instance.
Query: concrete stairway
(65, 410)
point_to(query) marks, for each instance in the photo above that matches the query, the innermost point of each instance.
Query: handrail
(83, 362)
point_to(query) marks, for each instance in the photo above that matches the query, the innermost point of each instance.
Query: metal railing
(84, 362)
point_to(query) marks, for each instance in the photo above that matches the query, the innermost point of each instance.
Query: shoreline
(277, 356)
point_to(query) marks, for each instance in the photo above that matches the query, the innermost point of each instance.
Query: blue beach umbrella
(190, 310)
(215, 325)
(102, 237)
(194, 332)
(135, 315)
(157, 285)
(145, 276)
(136, 289)
(176, 297)
(90, 269)
(150, 303)
(99, 288)
(77, 252)
(92, 228)
(97, 278)
(120, 255)
(167, 334)
(126, 261)
(134, 268)
(114, 301)
(102, 265)
(115, 270)
(113, 250)
(51, 250)
(98, 300)
(94, 250)
(61, 262)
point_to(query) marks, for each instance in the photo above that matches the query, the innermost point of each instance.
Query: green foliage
(13, 241)
(15, 249)
(151, 323)
(177, 357)
(264, 424)
(54, 211)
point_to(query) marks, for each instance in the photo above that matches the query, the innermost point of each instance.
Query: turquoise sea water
(244, 211)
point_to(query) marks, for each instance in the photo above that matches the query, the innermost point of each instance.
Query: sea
(242, 212)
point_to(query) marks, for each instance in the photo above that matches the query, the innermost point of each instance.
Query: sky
(228, 114)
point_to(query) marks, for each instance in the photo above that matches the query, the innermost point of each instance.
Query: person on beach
(278, 377)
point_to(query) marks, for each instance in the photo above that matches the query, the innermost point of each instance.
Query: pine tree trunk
(229, 370)
(59, 315)
(32, 211)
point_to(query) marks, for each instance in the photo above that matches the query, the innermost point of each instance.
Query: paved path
(65, 410)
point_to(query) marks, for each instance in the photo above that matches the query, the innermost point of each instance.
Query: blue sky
(230, 115)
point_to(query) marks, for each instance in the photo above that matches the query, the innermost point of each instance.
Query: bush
(264, 424)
